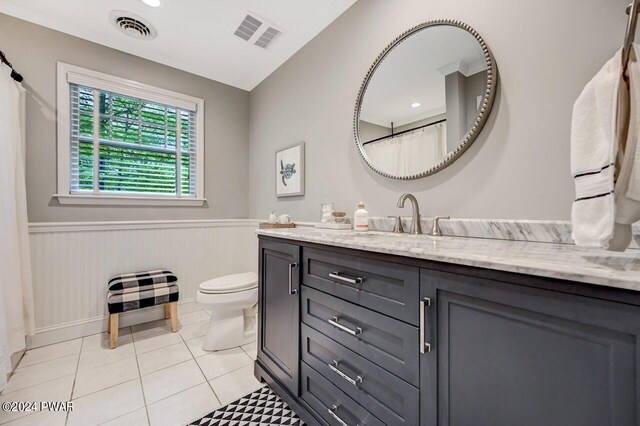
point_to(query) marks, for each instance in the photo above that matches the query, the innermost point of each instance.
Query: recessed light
(153, 3)
(415, 105)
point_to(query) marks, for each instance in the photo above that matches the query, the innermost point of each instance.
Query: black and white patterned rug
(260, 408)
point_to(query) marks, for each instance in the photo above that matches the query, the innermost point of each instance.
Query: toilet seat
(230, 284)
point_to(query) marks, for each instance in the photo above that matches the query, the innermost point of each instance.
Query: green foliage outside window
(137, 151)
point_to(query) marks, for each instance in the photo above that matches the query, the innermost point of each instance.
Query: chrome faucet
(415, 219)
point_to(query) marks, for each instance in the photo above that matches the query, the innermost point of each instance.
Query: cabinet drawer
(387, 342)
(388, 397)
(330, 403)
(385, 287)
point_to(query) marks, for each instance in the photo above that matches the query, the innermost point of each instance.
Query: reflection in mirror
(419, 104)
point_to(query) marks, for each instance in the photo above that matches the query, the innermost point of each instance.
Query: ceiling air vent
(267, 37)
(248, 27)
(257, 31)
(132, 25)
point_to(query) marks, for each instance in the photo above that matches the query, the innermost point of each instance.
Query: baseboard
(15, 359)
(63, 332)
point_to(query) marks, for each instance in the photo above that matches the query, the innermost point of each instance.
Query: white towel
(601, 214)
(627, 189)
(593, 154)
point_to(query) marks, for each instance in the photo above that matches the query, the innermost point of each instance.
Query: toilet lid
(230, 283)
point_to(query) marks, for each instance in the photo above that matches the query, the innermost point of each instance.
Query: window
(125, 143)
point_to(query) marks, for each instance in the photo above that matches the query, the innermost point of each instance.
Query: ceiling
(192, 35)
(415, 72)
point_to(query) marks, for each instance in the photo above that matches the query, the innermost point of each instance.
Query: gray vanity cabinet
(510, 355)
(279, 311)
(351, 337)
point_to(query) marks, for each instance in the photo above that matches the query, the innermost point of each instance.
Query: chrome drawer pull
(343, 278)
(334, 367)
(292, 290)
(334, 322)
(332, 413)
(424, 346)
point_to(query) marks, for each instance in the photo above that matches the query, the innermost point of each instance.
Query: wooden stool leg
(167, 311)
(173, 308)
(113, 328)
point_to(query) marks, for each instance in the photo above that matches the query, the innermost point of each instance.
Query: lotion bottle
(361, 218)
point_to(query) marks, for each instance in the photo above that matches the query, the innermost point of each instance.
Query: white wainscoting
(72, 262)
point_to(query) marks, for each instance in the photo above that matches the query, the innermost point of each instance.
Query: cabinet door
(279, 311)
(513, 355)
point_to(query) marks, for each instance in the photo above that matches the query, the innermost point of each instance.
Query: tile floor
(154, 377)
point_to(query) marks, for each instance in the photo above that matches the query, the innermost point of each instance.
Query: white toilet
(232, 300)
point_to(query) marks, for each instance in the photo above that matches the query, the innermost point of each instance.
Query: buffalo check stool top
(137, 290)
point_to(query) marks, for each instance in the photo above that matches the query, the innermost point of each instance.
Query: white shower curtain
(16, 291)
(410, 153)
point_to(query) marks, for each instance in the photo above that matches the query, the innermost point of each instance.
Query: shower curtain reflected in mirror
(410, 153)
(16, 291)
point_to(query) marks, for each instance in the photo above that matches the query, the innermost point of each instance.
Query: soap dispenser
(361, 218)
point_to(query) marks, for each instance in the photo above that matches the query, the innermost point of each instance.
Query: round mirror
(424, 100)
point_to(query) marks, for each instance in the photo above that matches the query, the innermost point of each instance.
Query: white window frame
(72, 74)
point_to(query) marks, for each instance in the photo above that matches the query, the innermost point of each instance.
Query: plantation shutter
(127, 145)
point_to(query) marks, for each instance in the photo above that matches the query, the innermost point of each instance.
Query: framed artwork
(290, 171)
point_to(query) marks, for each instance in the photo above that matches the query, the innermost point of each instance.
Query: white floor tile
(155, 338)
(235, 385)
(185, 308)
(41, 418)
(107, 404)
(42, 372)
(102, 340)
(216, 364)
(251, 349)
(92, 358)
(54, 390)
(191, 317)
(105, 376)
(48, 353)
(172, 380)
(193, 330)
(163, 358)
(135, 418)
(151, 327)
(195, 346)
(183, 408)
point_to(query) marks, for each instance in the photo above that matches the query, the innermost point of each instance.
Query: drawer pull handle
(334, 367)
(344, 278)
(292, 290)
(334, 322)
(424, 346)
(332, 413)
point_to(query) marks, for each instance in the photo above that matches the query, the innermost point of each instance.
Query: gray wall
(34, 51)
(455, 88)
(370, 131)
(474, 87)
(518, 167)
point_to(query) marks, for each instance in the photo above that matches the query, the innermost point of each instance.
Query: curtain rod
(405, 131)
(14, 74)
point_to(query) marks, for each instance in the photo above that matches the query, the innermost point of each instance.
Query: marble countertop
(563, 261)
